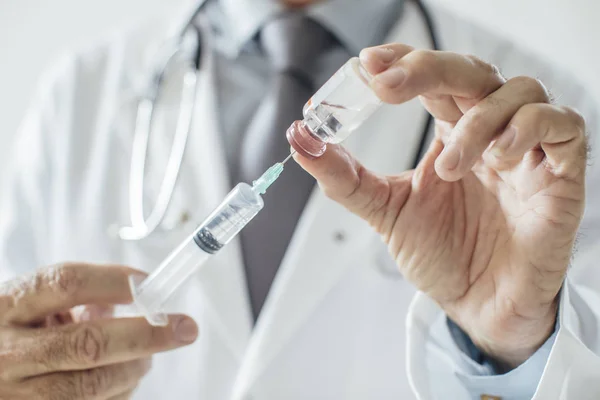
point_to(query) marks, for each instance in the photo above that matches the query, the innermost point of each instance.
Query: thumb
(346, 181)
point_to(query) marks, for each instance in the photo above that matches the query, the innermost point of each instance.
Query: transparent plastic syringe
(239, 207)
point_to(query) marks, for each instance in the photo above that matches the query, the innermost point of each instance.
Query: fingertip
(297, 156)
(320, 167)
(450, 158)
(336, 171)
(185, 328)
(448, 163)
(445, 175)
(307, 164)
(376, 59)
(379, 58)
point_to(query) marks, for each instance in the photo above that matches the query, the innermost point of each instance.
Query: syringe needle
(262, 184)
(288, 157)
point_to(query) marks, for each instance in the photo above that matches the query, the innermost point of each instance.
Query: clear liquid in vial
(335, 111)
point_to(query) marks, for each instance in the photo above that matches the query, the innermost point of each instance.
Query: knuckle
(477, 122)
(423, 58)
(533, 86)
(584, 151)
(576, 119)
(534, 114)
(63, 279)
(396, 48)
(14, 293)
(88, 344)
(381, 193)
(355, 187)
(329, 193)
(483, 65)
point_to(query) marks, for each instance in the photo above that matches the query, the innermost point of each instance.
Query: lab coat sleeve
(477, 372)
(571, 366)
(566, 366)
(26, 195)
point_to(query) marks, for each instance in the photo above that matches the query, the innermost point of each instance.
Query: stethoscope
(187, 45)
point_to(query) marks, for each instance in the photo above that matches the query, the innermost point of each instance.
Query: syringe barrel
(219, 228)
(335, 111)
(227, 220)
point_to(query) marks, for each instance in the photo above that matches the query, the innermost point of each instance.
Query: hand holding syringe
(330, 116)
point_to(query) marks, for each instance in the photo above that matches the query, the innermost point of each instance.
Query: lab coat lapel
(221, 281)
(328, 235)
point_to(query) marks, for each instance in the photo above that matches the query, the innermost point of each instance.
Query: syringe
(242, 204)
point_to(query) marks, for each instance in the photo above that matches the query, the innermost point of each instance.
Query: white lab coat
(340, 322)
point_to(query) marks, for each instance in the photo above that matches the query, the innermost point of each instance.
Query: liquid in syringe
(240, 206)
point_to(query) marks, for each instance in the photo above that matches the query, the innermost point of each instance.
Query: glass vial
(335, 111)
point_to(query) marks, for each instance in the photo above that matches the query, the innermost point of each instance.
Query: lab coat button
(339, 237)
(490, 397)
(184, 217)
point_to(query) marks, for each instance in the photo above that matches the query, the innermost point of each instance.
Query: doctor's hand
(486, 223)
(48, 350)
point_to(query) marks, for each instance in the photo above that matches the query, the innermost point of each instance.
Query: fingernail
(379, 54)
(185, 330)
(505, 140)
(450, 158)
(392, 78)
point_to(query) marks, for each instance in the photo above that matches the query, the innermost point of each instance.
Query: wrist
(513, 340)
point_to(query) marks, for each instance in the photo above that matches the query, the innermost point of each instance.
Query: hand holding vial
(485, 224)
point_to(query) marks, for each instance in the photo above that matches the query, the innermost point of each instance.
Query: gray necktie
(293, 44)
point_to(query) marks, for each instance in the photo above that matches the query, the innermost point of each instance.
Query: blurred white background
(32, 32)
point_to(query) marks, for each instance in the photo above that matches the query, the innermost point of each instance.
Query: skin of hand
(52, 348)
(486, 223)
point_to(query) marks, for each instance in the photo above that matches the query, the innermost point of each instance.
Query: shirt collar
(356, 23)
